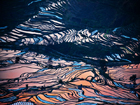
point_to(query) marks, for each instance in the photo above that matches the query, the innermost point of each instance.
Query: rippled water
(56, 58)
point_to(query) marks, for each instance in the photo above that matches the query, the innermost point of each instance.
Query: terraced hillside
(70, 52)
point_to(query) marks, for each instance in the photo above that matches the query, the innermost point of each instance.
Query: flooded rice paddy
(57, 56)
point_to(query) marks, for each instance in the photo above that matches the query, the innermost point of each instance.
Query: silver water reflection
(34, 71)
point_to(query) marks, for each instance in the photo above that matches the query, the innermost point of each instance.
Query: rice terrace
(70, 52)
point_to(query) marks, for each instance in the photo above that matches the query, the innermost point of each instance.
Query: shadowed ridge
(56, 55)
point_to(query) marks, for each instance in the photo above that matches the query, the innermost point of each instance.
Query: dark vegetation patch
(15, 12)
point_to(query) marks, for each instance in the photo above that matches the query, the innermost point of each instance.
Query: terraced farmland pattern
(70, 53)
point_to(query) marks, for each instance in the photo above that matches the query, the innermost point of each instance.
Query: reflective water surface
(62, 56)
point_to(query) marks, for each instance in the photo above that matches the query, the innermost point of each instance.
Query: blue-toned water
(70, 52)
